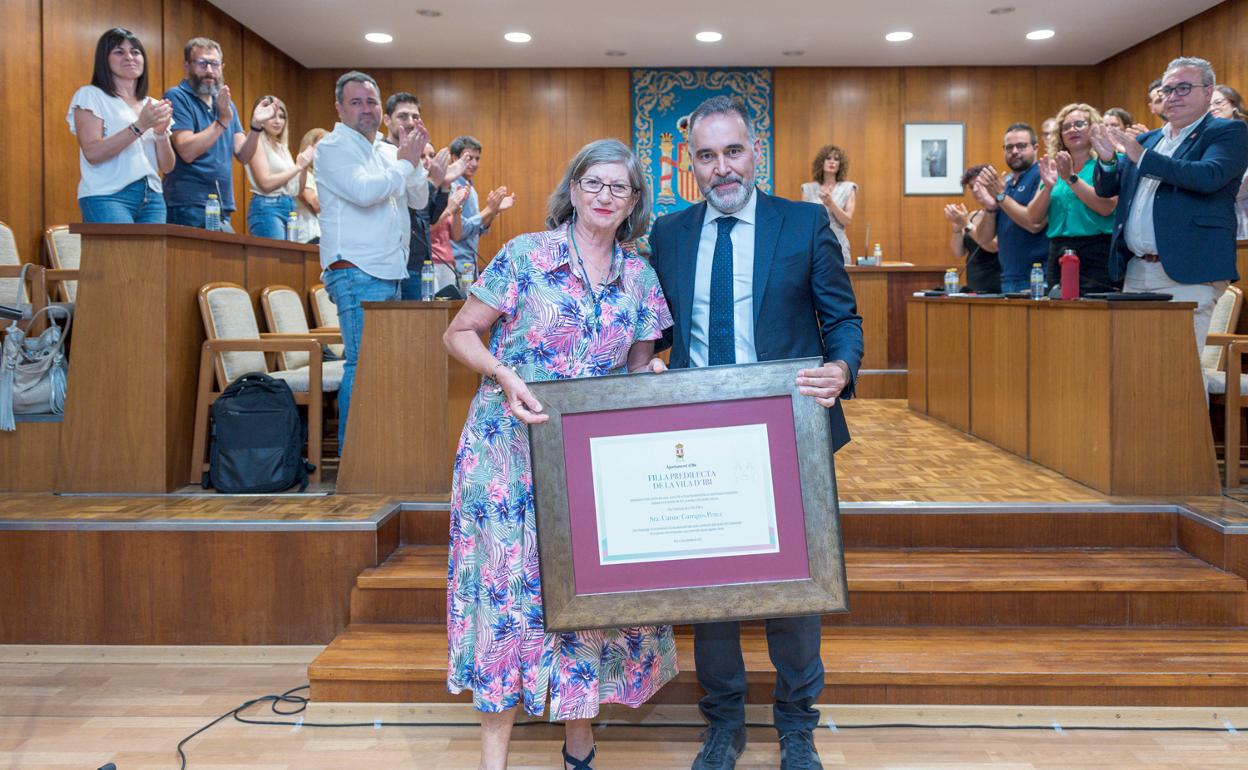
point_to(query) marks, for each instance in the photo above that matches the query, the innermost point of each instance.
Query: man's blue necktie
(721, 336)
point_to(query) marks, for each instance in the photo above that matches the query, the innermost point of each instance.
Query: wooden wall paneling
(871, 293)
(70, 32)
(185, 19)
(1058, 86)
(916, 358)
(471, 102)
(1174, 455)
(948, 362)
(1218, 35)
(30, 456)
(998, 377)
(858, 110)
(1069, 391)
(532, 153)
(1125, 76)
(268, 71)
(21, 118)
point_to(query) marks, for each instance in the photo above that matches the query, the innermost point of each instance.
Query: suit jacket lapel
(689, 235)
(766, 233)
(1190, 142)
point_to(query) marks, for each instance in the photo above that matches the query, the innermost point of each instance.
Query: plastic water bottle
(292, 227)
(951, 281)
(426, 281)
(466, 277)
(212, 213)
(1037, 281)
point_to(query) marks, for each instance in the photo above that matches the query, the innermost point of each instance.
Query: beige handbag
(33, 371)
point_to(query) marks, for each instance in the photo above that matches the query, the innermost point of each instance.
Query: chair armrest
(63, 274)
(292, 343)
(324, 337)
(1215, 338)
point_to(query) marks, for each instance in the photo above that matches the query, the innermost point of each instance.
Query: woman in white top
(123, 136)
(829, 188)
(1227, 103)
(274, 176)
(307, 204)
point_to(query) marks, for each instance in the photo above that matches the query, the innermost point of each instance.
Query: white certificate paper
(689, 494)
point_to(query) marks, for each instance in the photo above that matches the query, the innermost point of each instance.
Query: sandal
(572, 763)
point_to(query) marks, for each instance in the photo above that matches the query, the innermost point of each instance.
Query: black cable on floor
(301, 703)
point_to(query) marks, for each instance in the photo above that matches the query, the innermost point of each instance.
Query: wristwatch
(1072, 178)
(1000, 196)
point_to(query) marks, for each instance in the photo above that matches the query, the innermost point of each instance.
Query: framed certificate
(690, 496)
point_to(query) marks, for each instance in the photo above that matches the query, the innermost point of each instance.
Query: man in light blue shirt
(474, 220)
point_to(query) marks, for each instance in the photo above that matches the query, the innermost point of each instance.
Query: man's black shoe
(720, 749)
(797, 751)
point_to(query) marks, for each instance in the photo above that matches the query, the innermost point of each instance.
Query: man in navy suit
(1174, 229)
(750, 277)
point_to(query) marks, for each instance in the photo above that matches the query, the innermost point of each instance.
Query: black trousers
(1093, 251)
(792, 643)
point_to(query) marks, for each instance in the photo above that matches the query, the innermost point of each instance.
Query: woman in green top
(1077, 217)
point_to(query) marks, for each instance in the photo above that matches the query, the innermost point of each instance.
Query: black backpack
(257, 438)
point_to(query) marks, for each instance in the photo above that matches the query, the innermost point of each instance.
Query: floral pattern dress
(551, 328)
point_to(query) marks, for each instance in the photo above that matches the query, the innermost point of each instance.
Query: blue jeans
(267, 216)
(347, 288)
(136, 203)
(193, 216)
(1009, 285)
(792, 643)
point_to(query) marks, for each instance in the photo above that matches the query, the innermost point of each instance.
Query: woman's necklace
(595, 297)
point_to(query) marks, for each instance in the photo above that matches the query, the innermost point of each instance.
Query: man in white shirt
(365, 230)
(1174, 228)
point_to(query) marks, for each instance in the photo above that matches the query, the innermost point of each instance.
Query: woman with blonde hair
(274, 176)
(307, 204)
(1077, 218)
(830, 189)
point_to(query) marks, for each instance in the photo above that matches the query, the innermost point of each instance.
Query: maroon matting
(789, 563)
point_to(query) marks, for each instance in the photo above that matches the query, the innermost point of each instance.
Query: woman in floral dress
(568, 302)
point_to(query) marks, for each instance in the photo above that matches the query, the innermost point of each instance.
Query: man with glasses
(206, 133)
(1020, 242)
(1174, 229)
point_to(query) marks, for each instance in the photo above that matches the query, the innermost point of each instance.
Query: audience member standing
(1156, 101)
(123, 136)
(365, 229)
(983, 268)
(274, 176)
(1227, 103)
(474, 221)
(1175, 229)
(1020, 242)
(1075, 216)
(830, 189)
(206, 133)
(307, 204)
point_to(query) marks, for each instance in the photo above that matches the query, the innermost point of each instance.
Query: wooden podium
(408, 404)
(1107, 393)
(881, 293)
(137, 334)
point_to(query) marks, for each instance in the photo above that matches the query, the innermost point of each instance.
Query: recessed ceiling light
(1001, 10)
(428, 13)
(517, 37)
(614, 52)
(379, 37)
(1040, 34)
(898, 37)
(709, 37)
(793, 53)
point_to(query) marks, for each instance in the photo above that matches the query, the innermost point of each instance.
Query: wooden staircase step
(1021, 666)
(888, 570)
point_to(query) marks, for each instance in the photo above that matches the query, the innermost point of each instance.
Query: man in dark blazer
(751, 277)
(1174, 228)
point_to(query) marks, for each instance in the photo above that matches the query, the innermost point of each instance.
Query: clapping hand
(1101, 142)
(304, 158)
(1065, 164)
(454, 171)
(991, 181)
(508, 200)
(1135, 129)
(982, 196)
(438, 165)
(1130, 145)
(225, 108)
(412, 143)
(155, 114)
(1048, 171)
(456, 201)
(957, 214)
(266, 110)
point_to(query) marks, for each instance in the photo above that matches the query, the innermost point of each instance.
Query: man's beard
(205, 89)
(1019, 163)
(728, 202)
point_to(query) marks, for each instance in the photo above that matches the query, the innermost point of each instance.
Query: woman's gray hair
(559, 208)
(1207, 77)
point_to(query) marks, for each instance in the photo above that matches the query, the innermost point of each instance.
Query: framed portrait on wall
(935, 155)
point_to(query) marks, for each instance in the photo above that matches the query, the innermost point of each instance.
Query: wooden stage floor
(897, 457)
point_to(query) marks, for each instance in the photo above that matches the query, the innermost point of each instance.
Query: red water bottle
(1070, 274)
